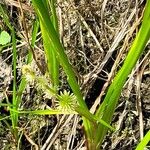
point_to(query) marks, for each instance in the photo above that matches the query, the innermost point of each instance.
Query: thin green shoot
(78, 109)
(144, 142)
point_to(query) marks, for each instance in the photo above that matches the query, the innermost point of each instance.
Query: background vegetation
(61, 61)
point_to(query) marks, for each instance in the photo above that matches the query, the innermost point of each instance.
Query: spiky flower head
(28, 72)
(67, 102)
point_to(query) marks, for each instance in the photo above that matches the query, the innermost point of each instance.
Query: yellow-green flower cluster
(66, 102)
(28, 73)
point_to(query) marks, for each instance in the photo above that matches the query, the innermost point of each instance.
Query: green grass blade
(3, 104)
(144, 142)
(55, 64)
(62, 58)
(52, 63)
(14, 115)
(23, 82)
(5, 17)
(34, 36)
(54, 15)
(107, 108)
(40, 112)
(92, 117)
(4, 118)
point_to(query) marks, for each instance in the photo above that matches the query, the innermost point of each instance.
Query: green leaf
(107, 108)
(144, 142)
(4, 38)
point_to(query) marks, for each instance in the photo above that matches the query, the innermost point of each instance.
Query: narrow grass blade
(144, 142)
(55, 64)
(5, 17)
(4, 118)
(14, 115)
(23, 82)
(52, 63)
(40, 112)
(92, 117)
(3, 104)
(107, 108)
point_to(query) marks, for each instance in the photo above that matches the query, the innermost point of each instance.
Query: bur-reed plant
(95, 133)
(96, 125)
